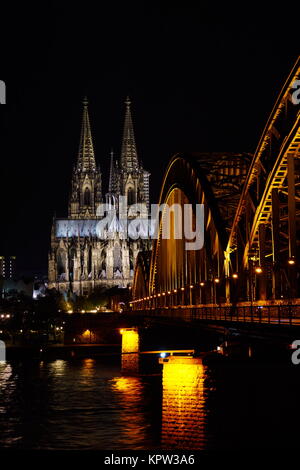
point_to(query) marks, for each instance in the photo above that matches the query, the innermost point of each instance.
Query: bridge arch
(262, 244)
(178, 276)
(251, 247)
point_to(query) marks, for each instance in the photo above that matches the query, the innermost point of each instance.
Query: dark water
(88, 404)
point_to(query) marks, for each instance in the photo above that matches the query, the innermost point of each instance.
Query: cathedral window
(61, 262)
(90, 261)
(130, 197)
(87, 197)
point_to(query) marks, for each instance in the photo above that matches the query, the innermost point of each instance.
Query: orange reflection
(183, 403)
(130, 351)
(127, 385)
(88, 367)
(129, 392)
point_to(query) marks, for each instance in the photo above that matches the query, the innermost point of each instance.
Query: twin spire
(86, 157)
(111, 182)
(129, 158)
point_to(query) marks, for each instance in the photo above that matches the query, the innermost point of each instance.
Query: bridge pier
(183, 402)
(130, 350)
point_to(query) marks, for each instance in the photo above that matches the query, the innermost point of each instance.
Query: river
(88, 404)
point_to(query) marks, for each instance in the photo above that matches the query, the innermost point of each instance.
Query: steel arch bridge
(251, 249)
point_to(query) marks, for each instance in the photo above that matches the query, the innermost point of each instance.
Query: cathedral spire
(86, 157)
(111, 173)
(129, 158)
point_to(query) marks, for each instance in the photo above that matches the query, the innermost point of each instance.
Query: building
(82, 256)
(8, 267)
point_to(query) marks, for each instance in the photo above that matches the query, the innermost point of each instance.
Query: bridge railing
(288, 314)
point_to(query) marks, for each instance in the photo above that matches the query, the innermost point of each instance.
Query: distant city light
(163, 354)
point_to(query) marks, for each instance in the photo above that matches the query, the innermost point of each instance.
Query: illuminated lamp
(291, 260)
(235, 276)
(258, 270)
(217, 280)
(202, 284)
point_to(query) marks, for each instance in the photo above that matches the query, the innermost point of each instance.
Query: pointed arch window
(87, 197)
(130, 196)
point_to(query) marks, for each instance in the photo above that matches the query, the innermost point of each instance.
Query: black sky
(197, 83)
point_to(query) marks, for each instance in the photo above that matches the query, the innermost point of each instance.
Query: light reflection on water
(88, 404)
(80, 404)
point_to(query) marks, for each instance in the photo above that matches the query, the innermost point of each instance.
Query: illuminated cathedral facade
(81, 258)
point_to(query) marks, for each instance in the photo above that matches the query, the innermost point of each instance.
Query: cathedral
(81, 257)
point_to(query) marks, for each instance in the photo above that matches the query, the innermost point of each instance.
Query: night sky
(197, 83)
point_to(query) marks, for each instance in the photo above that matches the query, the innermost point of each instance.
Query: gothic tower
(81, 258)
(134, 180)
(86, 191)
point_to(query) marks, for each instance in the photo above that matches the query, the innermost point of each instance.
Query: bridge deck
(267, 314)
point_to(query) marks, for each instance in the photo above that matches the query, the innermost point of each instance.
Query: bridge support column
(130, 350)
(183, 402)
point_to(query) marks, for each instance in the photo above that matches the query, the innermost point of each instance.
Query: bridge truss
(251, 249)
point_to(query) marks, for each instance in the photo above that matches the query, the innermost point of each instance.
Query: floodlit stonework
(79, 259)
